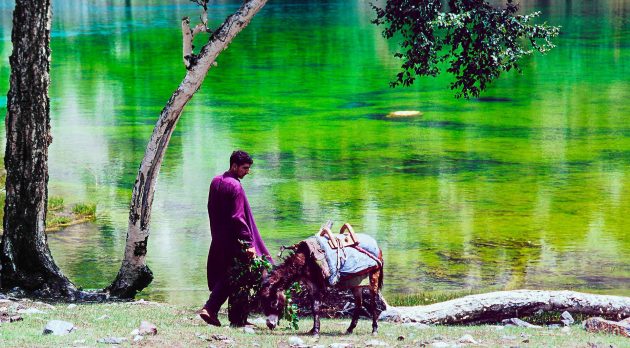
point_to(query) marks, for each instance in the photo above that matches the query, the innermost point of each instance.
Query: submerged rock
(404, 113)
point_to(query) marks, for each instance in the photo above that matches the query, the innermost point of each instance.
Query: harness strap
(378, 262)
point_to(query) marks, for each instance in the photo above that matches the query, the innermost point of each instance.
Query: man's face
(241, 170)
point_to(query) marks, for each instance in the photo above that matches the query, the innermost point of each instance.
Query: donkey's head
(273, 301)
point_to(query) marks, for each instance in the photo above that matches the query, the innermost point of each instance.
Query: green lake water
(527, 187)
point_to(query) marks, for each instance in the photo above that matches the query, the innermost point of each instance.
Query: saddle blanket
(352, 262)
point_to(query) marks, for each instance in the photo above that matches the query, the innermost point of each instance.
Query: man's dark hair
(240, 157)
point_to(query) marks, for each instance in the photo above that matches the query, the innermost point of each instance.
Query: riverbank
(179, 326)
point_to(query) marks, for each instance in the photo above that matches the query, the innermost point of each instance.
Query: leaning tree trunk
(134, 275)
(495, 306)
(25, 258)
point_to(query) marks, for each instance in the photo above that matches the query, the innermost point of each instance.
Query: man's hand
(251, 252)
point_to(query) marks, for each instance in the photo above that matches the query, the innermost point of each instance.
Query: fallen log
(495, 306)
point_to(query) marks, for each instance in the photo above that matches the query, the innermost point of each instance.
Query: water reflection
(525, 187)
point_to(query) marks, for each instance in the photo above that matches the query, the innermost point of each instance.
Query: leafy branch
(475, 40)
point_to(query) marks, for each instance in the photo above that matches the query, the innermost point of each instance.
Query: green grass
(425, 298)
(179, 326)
(55, 203)
(85, 210)
(55, 221)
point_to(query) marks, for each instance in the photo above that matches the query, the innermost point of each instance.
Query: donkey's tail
(381, 273)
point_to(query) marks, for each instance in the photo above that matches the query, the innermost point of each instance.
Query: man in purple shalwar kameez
(233, 228)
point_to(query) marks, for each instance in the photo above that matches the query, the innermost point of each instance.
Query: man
(234, 237)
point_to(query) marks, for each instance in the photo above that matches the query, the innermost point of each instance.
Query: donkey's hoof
(374, 333)
(349, 332)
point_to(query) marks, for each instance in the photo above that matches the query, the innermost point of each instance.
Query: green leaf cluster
(475, 40)
(246, 278)
(290, 313)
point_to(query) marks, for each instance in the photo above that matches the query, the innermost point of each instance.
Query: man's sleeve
(237, 217)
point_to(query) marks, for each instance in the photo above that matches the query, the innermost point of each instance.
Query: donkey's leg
(316, 304)
(316, 297)
(374, 280)
(358, 304)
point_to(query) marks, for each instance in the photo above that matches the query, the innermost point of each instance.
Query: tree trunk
(134, 275)
(25, 258)
(495, 306)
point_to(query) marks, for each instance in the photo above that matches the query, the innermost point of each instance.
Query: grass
(179, 326)
(55, 203)
(85, 210)
(58, 221)
(425, 298)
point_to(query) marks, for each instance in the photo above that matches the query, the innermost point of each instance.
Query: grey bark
(25, 258)
(134, 275)
(495, 306)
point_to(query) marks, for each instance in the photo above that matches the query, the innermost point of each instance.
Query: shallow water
(527, 186)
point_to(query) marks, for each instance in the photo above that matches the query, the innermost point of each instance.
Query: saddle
(346, 237)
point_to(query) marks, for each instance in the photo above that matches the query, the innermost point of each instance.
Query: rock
(467, 339)
(137, 338)
(600, 325)
(45, 305)
(554, 326)
(567, 319)
(565, 329)
(625, 321)
(518, 322)
(112, 340)
(339, 345)
(390, 314)
(72, 306)
(217, 337)
(146, 328)
(134, 332)
(440, 344)
(58, 328)
(6, 318)
(404, 113)
(508, 338)
(249, 330)
(30, 311)
(104, 316)
(375, 343)
(259, 321)
(419, 326)
(295, 341)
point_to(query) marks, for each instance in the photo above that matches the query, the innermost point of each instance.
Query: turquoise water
(526, 187)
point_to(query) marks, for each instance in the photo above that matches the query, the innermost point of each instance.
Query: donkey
(301, 266)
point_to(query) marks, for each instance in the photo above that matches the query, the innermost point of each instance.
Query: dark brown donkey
(301, 266)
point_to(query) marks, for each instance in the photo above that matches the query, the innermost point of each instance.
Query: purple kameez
(231, 223)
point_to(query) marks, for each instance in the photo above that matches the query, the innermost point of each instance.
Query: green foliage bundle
(290, 313)
(476, 40)
(246, 277)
